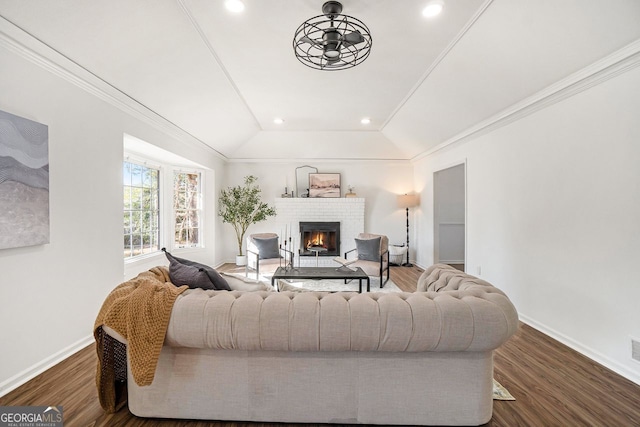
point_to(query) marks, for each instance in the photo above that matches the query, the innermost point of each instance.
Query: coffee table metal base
(321, 273)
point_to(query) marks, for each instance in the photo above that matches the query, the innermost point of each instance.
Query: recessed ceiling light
(278, 121)
(235, 6)
(365, 121)
(433, 8)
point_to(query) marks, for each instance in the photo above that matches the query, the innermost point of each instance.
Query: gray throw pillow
(267, 247)
(216, 281)
(368, 249)
(194, 277)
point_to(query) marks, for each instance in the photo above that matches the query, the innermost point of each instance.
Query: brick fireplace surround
(348, 211)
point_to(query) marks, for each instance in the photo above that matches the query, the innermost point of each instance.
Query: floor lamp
(407, 201)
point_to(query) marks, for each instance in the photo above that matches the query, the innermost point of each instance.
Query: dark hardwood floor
(553, 386)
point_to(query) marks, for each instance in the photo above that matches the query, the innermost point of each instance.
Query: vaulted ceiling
(224, 77)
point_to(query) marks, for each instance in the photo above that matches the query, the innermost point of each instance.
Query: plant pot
(241, 260)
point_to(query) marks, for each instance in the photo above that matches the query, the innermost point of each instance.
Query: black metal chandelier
(332, 41)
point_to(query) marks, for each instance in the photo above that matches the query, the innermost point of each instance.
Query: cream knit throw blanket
(139, 310)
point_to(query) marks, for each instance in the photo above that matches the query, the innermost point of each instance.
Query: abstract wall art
(24, 182)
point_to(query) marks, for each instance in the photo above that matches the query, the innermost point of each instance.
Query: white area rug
(321, 285)
(337, 286)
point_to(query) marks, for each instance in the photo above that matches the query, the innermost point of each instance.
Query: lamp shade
(408, 200)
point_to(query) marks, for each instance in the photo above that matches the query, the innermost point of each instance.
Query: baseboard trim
(584, 350)
(35, 370)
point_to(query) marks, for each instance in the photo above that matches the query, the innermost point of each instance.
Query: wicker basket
(397, 254)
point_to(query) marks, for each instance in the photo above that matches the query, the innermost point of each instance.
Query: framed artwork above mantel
(324, 185)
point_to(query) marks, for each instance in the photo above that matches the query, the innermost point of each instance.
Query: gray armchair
(372, 251)
(263, 253)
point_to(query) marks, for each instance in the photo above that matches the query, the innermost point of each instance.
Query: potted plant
(241, 206)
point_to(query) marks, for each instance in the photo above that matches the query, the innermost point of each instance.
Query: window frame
(148, 165)
(166, 214)
(199, 209)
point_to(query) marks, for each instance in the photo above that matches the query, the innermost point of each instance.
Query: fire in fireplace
(324, 236)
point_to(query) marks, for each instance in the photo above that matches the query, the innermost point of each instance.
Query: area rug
(337, 286)
(501, 393)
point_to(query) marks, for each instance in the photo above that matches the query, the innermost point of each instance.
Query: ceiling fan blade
(306, 39)
(352, 38)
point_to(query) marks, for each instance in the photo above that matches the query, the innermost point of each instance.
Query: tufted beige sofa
(421, 358)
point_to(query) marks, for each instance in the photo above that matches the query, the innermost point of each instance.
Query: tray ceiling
(224, 77)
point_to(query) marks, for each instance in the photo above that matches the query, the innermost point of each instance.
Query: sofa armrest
(113, 334)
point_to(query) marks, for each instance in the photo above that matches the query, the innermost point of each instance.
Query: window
(163, 201)
(141, 209)
(186, 209)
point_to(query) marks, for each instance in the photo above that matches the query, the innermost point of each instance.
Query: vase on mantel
(351, 193)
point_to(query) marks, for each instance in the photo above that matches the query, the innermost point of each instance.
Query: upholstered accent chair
(263, 253)
(372, 251)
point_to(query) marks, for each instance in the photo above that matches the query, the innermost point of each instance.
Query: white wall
(554, 217)
(50, 294)
(379, 182)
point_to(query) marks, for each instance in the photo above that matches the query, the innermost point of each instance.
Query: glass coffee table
(320, 273)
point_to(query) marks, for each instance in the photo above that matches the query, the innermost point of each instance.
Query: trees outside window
(186, 209)
(159, 201)
(141, 201)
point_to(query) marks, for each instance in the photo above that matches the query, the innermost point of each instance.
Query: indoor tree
(241, 206)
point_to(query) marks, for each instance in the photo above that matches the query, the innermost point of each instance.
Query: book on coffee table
(343, 261)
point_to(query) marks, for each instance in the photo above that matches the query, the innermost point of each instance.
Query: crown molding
(316, 160)
(613, 65)
(25, 45)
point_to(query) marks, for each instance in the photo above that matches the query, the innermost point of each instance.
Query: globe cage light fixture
(332, 41)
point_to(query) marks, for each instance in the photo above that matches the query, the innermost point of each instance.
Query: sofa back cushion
(479, 319)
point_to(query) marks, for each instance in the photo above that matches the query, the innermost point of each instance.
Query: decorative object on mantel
(24, 182)
(407, 201)
(332, 41)
(302, 179)
(241, 206)
(324, 185)
(286, 193)
(351, 193)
